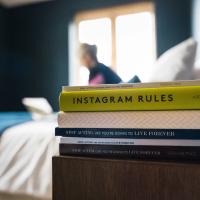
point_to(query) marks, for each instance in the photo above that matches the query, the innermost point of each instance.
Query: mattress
(26, 152)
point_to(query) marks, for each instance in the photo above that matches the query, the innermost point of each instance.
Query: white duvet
(26, 152)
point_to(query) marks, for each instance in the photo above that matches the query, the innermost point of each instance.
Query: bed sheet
(26, 152)
(8, 119)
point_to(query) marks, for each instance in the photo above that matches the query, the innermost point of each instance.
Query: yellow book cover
(163, 98)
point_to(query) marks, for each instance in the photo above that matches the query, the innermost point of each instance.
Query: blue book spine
(193, 134)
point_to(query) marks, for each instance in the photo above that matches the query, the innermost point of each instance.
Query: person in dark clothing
(99, 73)
(108, 76)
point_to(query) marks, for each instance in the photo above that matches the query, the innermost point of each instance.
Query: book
(132, 152)
(181, 119)
(156, 134)
(129, 141)
(163, 98)
(132, 85)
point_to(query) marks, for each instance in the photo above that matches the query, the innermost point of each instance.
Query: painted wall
(3, 57)
(37, 53)
(2, 44)
(173, 23)
(196, 26)
(2, 17)
(38, 47)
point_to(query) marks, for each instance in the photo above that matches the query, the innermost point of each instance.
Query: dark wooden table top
(85, 178)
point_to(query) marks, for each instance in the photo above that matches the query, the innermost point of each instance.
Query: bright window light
(83, 76)
(97, 31)
(135, 45)
(125, 38)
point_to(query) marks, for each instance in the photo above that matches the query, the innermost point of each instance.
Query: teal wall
(196, 25)
(173, 23)
(3, 58)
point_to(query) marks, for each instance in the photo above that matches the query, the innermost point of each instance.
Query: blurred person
(99, 73)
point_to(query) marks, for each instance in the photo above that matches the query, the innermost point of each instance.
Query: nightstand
(81, 178)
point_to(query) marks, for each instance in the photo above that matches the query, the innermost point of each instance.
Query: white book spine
(138, 142)
(131, 85)
(137, 119)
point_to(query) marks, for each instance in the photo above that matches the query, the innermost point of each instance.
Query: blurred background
(39, 40)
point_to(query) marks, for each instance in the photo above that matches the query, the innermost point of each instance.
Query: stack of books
(148, 120)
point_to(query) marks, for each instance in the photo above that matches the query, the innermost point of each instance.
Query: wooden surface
(77, 178)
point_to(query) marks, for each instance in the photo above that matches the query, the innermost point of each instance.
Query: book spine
(129, 85)
(134, 152)
(166, 98)
(193, 134)
(122, 141)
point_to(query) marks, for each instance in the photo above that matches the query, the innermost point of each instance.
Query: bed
(26, 149)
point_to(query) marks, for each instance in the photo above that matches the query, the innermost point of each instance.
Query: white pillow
(175, 64)
(38, 107)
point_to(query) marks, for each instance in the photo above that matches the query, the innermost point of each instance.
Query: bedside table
(81, 178)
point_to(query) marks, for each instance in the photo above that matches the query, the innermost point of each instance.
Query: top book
(132, 85)
(180, 95)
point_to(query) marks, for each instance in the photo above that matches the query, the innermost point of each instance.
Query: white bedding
(25, 158)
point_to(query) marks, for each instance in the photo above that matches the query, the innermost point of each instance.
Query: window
(125, 37)
(97, 31)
